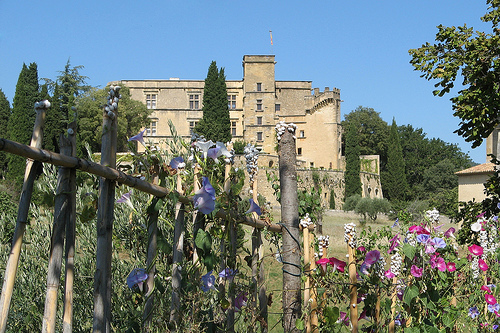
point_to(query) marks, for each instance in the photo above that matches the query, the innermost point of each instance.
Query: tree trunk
(290, 226)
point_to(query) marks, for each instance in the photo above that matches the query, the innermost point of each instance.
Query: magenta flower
(394, 243)
(372, 257)
(139, 137)
(449, 233)
(418, 229)
(343, 318)
(388, 274)
(323, 262)
(337, 264)
(254, 208)
(490, 299)
(476, 250)
(136, 278)
(416, 272)
(482, 265)
(361, 249)
(486, 288)
(362, 315)
(439, 263)
(451, 267)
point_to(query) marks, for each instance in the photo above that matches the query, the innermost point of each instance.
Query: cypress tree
(394, 182)
(22, 119)
(4, 120)
(215, 124)
(353, 166)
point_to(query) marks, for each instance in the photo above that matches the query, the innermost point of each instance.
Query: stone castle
(256, 104)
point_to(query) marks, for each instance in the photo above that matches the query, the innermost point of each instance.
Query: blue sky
(360, 47)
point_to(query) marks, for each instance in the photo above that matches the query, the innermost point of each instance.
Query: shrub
(351, 202)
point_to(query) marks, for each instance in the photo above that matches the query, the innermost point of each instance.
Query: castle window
(259, 120)
(277, 107)
(301, 134)
(151, 130)
(259, 105)
(259, 136)
(233, 128)
(192, 125)
(311, 164)
(151, 101)
(259, 86)
(194, 102)
(299, 151)
(231, 102)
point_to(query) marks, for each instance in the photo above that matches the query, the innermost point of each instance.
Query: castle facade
(256, 104)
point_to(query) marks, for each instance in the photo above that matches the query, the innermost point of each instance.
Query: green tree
(133, 115)
(352, 178)
(22, 119)
(4, 120)
(394, 179)
(215, 124)
(473, 55)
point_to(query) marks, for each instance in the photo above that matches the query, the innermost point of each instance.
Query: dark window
(259, 86)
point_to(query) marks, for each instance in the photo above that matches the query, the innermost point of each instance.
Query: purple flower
(139, 137)
(415, 271)
(213, 153)
(177, 162)
(394, 243)
(254, 208)
(473, 312)
(449, 233)
(240, 301)
(423, 238)
(396, 223)
(136, 278)
(208, 282)
(125, 198)
(494, 307)
(204, 198)
(439, 242)
(228, 273)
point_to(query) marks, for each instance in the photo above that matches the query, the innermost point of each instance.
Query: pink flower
(486, 288)
(476, 250)
(449, 233)
(451, 267)
(323, 262)
(361, 249)
(490, 299)
(394, 243)
(439, 263)
(337, 264)
(343, 318)
(482, 265)
(415, 271)
(388, 274)
(419, 230)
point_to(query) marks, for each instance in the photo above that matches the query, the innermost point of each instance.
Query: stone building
(256, 104)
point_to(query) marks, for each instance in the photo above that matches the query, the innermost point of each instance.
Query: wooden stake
(196, 215)
(61, 214)
(314, 294)
(177, 255)
(70, 240)
(290, 221)
(392, 324)
(22, 216)
(106, 204)
(353, 305)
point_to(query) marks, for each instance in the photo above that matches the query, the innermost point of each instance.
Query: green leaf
(410, 293)
(409, 250)
(331, 315)
(209, 261)
(203, 241)
(299, 324)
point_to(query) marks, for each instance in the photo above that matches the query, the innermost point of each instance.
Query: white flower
(476, 227)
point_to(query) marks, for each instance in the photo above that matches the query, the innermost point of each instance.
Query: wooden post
(22, 216)
(350, 237)
(196, 215)
(290, 225)
(392, 324)
(70, 240)
(313, 293)
(307, 283)
(149, 285)
(62, 204)
(106, 203)
(177, 255)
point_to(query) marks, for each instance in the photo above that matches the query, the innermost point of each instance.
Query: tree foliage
(472, 55)
(4, 120)
(132, 115)
(394, 180)
(352, 179)
(215, 124)
(22, 119)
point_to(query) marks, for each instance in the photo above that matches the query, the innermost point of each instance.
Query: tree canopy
(394, 180)
(216, 123)
(474, 56)
(4, 120)
(353, 165)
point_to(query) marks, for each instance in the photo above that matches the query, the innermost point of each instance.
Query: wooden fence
(65, 219)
